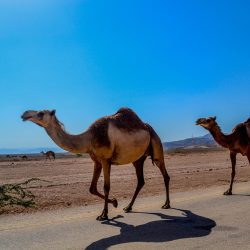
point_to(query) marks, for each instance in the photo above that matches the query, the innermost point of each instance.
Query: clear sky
(170, 61)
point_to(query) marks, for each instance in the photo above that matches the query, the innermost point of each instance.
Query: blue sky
(170, 61)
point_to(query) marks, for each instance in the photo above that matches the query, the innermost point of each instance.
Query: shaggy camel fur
(237, 142)
(117, 139)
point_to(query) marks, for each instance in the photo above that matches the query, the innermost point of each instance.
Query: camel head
(207, 123)
(42, 118)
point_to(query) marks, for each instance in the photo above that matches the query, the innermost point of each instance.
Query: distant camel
(10, 156)
(237, 142)
(24, 157)
(49, 154)
(116, 139)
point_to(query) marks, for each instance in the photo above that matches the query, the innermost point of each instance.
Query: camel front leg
(93, 187)
(233, 161)
(140, 182)
(106, 172)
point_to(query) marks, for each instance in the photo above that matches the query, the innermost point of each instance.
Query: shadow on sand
(168, 228)
(247, 195)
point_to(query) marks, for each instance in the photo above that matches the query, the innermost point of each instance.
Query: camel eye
(40, 115)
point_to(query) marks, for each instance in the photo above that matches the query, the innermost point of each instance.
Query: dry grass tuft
(17, 194)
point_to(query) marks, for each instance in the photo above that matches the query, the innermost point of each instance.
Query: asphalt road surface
(203, 219)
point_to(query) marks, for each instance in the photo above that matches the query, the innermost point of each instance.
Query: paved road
(201, 219)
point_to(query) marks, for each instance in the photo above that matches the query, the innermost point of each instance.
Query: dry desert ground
(69, 177)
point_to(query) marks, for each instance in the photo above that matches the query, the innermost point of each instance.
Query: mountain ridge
(205, 141)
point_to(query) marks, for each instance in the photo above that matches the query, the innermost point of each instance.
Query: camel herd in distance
(48, 155)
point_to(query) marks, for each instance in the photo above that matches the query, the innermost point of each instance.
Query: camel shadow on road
(168, 228)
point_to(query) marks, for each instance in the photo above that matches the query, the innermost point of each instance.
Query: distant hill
(206, 141)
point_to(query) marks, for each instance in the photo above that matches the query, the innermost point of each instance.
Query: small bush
(17, 194)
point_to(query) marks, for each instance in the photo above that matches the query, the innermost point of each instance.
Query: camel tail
(155, 147)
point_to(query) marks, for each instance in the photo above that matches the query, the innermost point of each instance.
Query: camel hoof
(102, 217)
(127, 209)
(166, 206)
(115, 202)
(228, 192)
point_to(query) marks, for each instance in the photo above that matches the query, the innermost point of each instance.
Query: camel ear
(214, 118)
(52, 112)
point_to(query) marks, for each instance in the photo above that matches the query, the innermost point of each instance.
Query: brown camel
(24, 157)
(117, 139)
(49, 154)
(237, 142)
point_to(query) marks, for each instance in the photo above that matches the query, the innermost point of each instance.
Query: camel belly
(128, 146)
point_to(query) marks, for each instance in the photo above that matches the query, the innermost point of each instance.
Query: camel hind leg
(157, 155)
(140, 181)
(161, 165)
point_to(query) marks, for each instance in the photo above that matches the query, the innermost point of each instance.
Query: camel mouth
(27, 115)
(25, 118)
(199, 121)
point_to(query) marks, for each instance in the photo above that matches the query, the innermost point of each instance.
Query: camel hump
(238, 127)
(125, 110)
(125, 119)
(242, 130)
(155, 147)
(127, 114)
(128, 120)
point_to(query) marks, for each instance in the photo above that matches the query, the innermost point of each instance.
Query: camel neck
(220, 138)
(72, 143)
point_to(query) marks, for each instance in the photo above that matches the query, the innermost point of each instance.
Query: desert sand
(69, 177)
